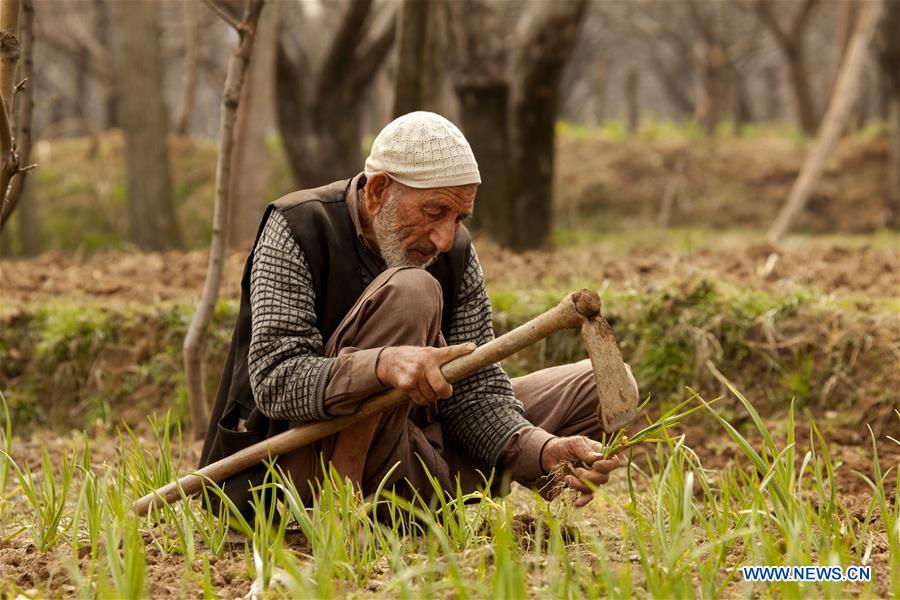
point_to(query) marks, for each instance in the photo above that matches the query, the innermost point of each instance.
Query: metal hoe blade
(618, 401)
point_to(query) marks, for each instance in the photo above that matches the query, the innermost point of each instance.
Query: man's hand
(590, 470)
(416, 370)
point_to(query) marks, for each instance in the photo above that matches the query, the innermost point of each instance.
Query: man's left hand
(592, 470)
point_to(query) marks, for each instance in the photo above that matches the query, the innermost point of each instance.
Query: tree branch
(846, 90)
(227, 11)
(767, 16)
(372, 54)
(802, 17)
(9, 49)
(65, 45)
(195, 340)
(26, 99)
(342, 50)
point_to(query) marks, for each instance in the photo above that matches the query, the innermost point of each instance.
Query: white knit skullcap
(423, 150)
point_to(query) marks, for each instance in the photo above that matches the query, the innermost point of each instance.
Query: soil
(124, 278)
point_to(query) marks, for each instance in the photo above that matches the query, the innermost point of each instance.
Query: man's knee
(414, 292)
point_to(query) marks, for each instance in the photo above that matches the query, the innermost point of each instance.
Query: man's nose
(442, 236)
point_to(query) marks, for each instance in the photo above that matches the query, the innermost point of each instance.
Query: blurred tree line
(326, 75)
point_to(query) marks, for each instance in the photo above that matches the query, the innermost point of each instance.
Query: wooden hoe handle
(571, 312)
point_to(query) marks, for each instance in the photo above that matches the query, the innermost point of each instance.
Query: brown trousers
(403, 307)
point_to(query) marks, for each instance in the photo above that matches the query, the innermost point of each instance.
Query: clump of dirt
(22, 564)
(720, 182)
(532, 537)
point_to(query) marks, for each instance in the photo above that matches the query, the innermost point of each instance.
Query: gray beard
(389, 241)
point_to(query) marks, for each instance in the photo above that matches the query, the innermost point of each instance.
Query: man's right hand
(416, 370)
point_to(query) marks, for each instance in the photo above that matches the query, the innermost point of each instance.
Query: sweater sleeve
(482, 414)
(288, 373)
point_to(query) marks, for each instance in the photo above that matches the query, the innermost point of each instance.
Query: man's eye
(434, 214)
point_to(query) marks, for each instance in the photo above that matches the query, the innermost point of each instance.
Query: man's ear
(377, 185)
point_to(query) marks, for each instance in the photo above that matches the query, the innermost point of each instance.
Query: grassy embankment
(66, 365)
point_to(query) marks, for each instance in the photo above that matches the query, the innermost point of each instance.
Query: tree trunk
(420, 60)
(773, 93)
(673, 81)
(81, 66)
(250, 170)
(632, 108)
(889, 61)
(806, 109)
(27, 222)
(191, 56)
(601, 94)
(320, 117)
(195, 340)
(547, 38)
(743, 109)
(715, 94)
(484, 122)
(791, 42)
(835, 120)
(151, 212)
(110, 92)
(23, 107)
(478, 69)
(893, 183)
(9, 58)
(9, 50)
(848, 11)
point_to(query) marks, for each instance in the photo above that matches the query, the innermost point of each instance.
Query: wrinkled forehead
(460, 198)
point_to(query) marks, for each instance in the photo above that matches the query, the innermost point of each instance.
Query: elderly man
(360, 285)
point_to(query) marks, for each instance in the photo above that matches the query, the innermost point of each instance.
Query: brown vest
(320, 222)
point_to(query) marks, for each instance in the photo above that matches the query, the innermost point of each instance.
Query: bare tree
(9, 50)
(509, 101)
(792, 41)
(889, 59)
(669, 37)
(632, 98)
(15, 138)
(192, 41)
(111, 90)
(320, 105)
(714, 97)
(9, 57)
(23, 107)
(845, 93)
(544, 44)
(255, 118)
(142, 111)
(479, 59)
(195, 340)
(420, 59)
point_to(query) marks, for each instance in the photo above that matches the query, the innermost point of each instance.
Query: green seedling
(619, 441)
(46, 497)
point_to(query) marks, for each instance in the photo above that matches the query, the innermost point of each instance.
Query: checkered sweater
(288, 373)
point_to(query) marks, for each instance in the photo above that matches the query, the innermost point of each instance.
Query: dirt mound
(719, 182)
(824, 268)
(119, 277)
(113, 277)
